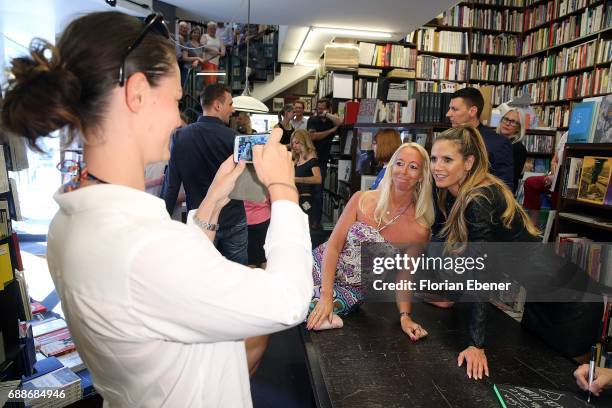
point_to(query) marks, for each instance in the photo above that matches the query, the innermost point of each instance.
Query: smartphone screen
(243, 146)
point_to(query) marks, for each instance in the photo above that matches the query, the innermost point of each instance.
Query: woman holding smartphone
(158, 314)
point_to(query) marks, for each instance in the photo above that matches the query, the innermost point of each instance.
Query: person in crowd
(400, 210)
(386, 142)
(193, 55)
(602, 379)
(299, 121)
(465, 108)
(512, 126)
(535, 186)
(197, 152)
(181, 39)
(225, 32)
(307, 170)
(284, 122)
(213, 50)
(478, 207)
(183, 32)
(322, 127)
(243, 124)
(138, 289)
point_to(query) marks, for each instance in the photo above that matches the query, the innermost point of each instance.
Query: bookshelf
(14, 300)
(582, 229)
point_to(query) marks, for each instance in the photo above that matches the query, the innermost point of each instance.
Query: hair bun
(42, 94)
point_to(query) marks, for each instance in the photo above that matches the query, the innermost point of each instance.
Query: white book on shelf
(4, 182)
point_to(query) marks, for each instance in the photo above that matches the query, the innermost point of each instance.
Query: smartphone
(243, 146)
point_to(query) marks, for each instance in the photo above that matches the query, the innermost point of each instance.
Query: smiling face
(510, 124)
(448, 167)
(298, 110)
(407, 169)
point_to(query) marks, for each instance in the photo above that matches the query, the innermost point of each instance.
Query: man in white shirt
(298, 121)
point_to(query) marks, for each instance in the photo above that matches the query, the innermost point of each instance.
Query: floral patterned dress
(348, 292)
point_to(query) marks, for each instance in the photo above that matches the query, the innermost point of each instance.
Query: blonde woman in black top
(307, 170)
(284, 122)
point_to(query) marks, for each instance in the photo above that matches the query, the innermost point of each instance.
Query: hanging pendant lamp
(245, 102)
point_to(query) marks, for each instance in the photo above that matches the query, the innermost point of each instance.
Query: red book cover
(57, 348)
(351, 111)
(18, 262)
(37, 307)
(58, 335)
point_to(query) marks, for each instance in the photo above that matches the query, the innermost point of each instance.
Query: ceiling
(21, 20)
(393, 16)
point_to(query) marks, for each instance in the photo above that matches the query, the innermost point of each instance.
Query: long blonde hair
(469, 142)
(304, 137)
(424, 206)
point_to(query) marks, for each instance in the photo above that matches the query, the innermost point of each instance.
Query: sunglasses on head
(153, 22)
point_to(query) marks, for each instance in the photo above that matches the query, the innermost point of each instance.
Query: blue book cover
(581, 122)
(43, 367)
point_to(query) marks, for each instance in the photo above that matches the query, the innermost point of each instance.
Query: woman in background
(138, 289)
(284, 122)
(307, 170)
(512, 126)
(400, 210)
(385, 143)
(243, 124)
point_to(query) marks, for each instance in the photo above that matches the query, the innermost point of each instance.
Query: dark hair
(387, 142)
(214, 92)
(69, 84)
(472, 97)
(325, 101)
(281, 114)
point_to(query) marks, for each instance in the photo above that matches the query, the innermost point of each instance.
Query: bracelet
(205, 225)
(291, 186)
(402, 314)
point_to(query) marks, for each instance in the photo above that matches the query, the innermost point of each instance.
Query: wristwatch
(402, 314)
(205, 225)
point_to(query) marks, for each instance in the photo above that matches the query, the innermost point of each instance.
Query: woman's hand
(476, 362)
(412, 328)
(224, 182)
(602, 379)
(324, 309)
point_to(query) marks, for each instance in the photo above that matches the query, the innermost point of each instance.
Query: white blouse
(159, 316)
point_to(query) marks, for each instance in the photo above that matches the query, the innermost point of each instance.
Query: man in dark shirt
(465, 108)
(197, 152)
(322, 127)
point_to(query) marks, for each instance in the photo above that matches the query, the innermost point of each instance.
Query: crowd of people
(134, 283)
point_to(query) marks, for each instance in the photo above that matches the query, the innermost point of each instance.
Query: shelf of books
(14, 301)
(583, 223)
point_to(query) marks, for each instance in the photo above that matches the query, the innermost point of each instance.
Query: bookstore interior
(541, 68)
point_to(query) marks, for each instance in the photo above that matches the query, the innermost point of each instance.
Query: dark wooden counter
(371, 363)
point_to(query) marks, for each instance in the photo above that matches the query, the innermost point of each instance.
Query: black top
(519, 155)
(305, 170)
(484, 224)
(568, 325)
(499, 149)
(197, 153)
(321, 124)
(286, 139)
